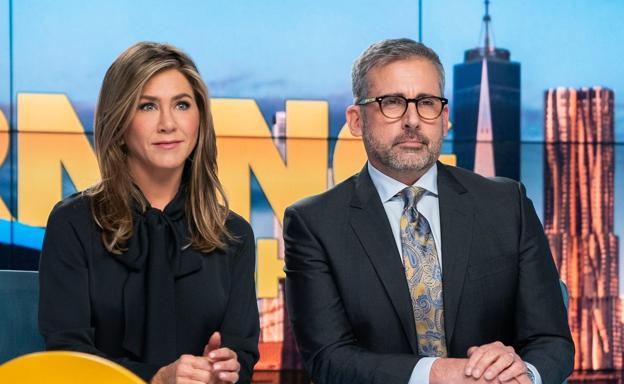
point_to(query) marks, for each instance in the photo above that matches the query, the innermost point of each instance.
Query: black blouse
(95, 302)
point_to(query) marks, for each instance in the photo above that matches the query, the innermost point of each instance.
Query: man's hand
(496, 361)
(449, 370)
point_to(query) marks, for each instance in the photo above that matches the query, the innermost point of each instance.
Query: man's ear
(355, 120)
(445, 121)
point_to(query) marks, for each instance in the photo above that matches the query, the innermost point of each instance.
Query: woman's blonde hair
(113, 197)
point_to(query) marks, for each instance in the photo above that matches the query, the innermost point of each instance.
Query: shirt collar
(387, 187)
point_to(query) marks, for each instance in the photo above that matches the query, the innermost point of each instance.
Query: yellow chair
(58, 367)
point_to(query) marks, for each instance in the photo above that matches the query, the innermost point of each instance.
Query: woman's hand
(188, 369)
(217, 365)
(225, 365)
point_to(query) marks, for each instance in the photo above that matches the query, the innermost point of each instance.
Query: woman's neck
(158, 187)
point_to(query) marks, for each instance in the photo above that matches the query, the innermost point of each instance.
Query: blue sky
(305, 49)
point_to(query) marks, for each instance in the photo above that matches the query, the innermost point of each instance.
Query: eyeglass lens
(427, 107)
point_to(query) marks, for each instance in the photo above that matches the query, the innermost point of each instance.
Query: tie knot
(411, 195)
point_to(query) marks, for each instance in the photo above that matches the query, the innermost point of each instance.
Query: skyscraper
(579, 218)
(486, 109)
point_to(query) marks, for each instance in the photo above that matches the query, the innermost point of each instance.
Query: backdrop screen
(532, 97)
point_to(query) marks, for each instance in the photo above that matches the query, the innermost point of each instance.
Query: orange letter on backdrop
(51, 137)
(245, 145)
(5, 214)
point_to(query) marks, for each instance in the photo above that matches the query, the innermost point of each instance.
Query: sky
(293, 49)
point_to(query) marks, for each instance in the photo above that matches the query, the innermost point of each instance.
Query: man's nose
(411, 117)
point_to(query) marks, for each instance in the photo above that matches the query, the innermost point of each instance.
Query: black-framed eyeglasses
(395, 106)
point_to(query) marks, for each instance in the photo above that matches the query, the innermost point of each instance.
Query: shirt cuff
(538, 378)
(422, 369)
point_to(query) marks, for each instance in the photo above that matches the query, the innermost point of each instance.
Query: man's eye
(428, 102)
(147, 107)
(392, 101)
(183, 105)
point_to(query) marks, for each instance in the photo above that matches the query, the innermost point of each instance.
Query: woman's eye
(147, 107)
(183, 105)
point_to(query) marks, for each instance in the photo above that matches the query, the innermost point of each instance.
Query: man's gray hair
(386, 52)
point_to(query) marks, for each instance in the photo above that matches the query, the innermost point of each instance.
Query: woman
(148, 267)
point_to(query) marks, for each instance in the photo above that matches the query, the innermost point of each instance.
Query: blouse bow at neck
(156, 256)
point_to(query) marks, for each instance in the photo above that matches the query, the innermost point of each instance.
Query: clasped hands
(216, 365)
(488, 363)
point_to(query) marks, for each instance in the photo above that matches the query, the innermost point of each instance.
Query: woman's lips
(167, 144)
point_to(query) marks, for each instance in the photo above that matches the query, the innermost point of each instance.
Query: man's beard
(405, 159)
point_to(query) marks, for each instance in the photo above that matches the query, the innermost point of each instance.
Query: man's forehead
(404, 75)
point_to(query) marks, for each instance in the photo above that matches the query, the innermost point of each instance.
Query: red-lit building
(579, 218)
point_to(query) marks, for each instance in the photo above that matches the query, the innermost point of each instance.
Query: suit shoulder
(500, 196)
(474, 181)
(334, 198)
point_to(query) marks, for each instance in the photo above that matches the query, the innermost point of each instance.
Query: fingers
(187, 373)
(517, 370)
(228, 377)
(213, 343)
(228, 365)
(201, 362)
(523, 379)
(192, 368)
(222, 354)
(489, 360)
(225, 364)
(471, 350)
(221, 365)
(498, 364)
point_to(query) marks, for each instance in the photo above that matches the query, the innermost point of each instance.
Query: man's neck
(408, 177)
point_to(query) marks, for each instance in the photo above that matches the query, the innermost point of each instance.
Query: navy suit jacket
(348, 298)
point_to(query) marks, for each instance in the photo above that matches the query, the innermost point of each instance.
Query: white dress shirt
(429, 207)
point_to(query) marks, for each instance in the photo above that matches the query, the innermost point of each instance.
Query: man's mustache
(411, 137)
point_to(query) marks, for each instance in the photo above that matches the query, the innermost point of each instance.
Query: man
(413, 271)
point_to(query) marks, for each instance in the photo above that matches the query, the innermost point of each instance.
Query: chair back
(61, 367)
(566, 302)
(19, 301)
(564, 293)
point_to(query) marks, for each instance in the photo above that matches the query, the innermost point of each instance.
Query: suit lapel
(370, 223)
(456, 221)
